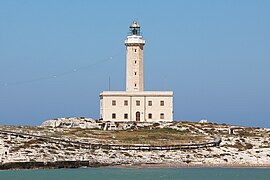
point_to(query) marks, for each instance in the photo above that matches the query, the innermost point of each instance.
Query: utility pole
(109, 83)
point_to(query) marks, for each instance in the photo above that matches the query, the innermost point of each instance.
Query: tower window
(161, 115)
(161, 103)
(126, 116)
(135, 73)
(149, 103)
(138, 103)
(135, 62)
(114, 102)
(135, 50)
(135, 85)
(125, 103)
(113, 116)
(150, 116)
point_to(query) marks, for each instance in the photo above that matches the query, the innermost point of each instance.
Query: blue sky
(214, 55)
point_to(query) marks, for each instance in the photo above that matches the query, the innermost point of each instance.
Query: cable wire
(60, 74)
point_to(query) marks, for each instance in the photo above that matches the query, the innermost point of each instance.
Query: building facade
(135, 104)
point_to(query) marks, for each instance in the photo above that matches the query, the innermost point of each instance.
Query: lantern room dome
(134, 29)
(134, 25)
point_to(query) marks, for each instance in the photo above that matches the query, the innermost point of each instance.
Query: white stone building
(135, 104)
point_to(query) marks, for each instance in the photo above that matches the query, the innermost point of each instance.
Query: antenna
(109, 83)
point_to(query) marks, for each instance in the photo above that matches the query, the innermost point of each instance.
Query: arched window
(161, 115)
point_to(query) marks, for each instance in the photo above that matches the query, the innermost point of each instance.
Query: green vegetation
(158, 136)
(153, 135)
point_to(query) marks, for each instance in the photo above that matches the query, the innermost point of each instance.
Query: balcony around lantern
(134, 39)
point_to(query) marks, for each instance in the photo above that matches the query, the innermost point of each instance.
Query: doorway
(138, 116)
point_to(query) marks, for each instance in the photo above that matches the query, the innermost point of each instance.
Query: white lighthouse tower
(135, 104)
(134, 59)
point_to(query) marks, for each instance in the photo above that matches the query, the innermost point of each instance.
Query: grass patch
(157, 136)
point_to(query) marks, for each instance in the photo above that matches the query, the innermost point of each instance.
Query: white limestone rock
(80, 122)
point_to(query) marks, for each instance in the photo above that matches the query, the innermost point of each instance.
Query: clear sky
(57, 56)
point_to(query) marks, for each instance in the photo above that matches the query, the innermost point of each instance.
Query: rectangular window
(113, 116)
(135, 85)
(125, 116)
(161, 103)
(135, 73)
(135, 50)
(149, 103)
(125, 103)
(114, 102)
(138, 103)
(150, 116)
(161, 115)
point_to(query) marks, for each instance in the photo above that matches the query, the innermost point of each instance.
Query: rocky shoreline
(88, 164)
(50, 165)
(42, 147)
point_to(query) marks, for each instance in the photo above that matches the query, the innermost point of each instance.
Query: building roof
(136, 93)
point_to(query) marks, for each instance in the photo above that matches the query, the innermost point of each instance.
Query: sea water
(139, 173)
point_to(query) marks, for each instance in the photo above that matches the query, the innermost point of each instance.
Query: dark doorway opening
(138, 116)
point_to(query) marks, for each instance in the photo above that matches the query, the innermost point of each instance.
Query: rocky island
(84, 142)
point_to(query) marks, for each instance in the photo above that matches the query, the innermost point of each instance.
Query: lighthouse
(135, 104)
(134, 59)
